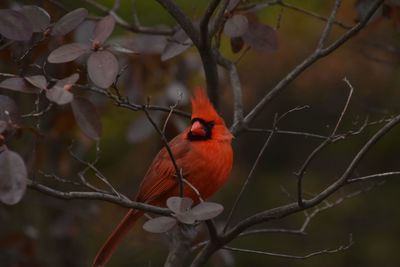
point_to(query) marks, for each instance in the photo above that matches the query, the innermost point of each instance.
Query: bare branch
(236, 88)
(292, 208)
(273, 231)
(178, 171)
(125, 103)
(245, 183)
(278, 131)
(133, 27)
(288, 256)
(312, 14)
(373, 176)
(310, 60)
(123, 202)
(345, 106)
(182, 20)
(329, 24)
(204, 23)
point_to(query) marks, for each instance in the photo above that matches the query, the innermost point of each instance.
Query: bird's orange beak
(198, 129)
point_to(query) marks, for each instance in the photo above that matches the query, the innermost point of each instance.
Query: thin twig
(373, 176)
(178, 171)
(312, 14)
(133, 27)
(288, 256)
(329, 23)
(345, 106)
(250, 175)
(236, 87)
(124, 202)
(307, 62)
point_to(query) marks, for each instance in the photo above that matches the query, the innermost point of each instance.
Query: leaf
(69, 22)
(159, 225)
(8, 110)
(207, 210)
(68, 52)
(14, 25)
(18, 84)
(261, 37)
(176, 45)
(39, 81)
(237, 44)
(179, 204)
(13, 177)
(87, 117)
(59, 95)
(181, 208)
(236, 26)
(70, 80)
(103, 29)
(38, 17)
(102, 68)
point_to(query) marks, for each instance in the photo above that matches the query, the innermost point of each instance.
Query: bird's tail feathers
(116, 237)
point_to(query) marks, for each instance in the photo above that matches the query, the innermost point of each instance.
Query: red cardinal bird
(203, 151)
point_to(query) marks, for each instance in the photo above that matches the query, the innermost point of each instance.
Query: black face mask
(207, 126)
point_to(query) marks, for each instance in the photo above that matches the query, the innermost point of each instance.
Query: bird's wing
(161, 175)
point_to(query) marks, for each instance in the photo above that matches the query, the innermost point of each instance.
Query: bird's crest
(202, 107)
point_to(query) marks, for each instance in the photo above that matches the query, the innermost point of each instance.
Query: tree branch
(123, 202)
(288, 256)
(132, 27)
(182, 20)
(310, 60)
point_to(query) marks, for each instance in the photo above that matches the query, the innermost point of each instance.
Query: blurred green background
(44, 231)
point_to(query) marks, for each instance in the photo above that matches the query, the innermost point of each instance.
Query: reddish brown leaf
(87, 118)
(14, 25)
(159, 225)
(69, 22)
(68, 52)
(59, 95)
(102, 68)
(18, 84)
(70, 80)
(236, 26)
(38, 17)
(261, 37)
(39, 81)
(103, 29)
(207, 210)
(179, 204)
(176, 45)
(13, 176)
(181, 208)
